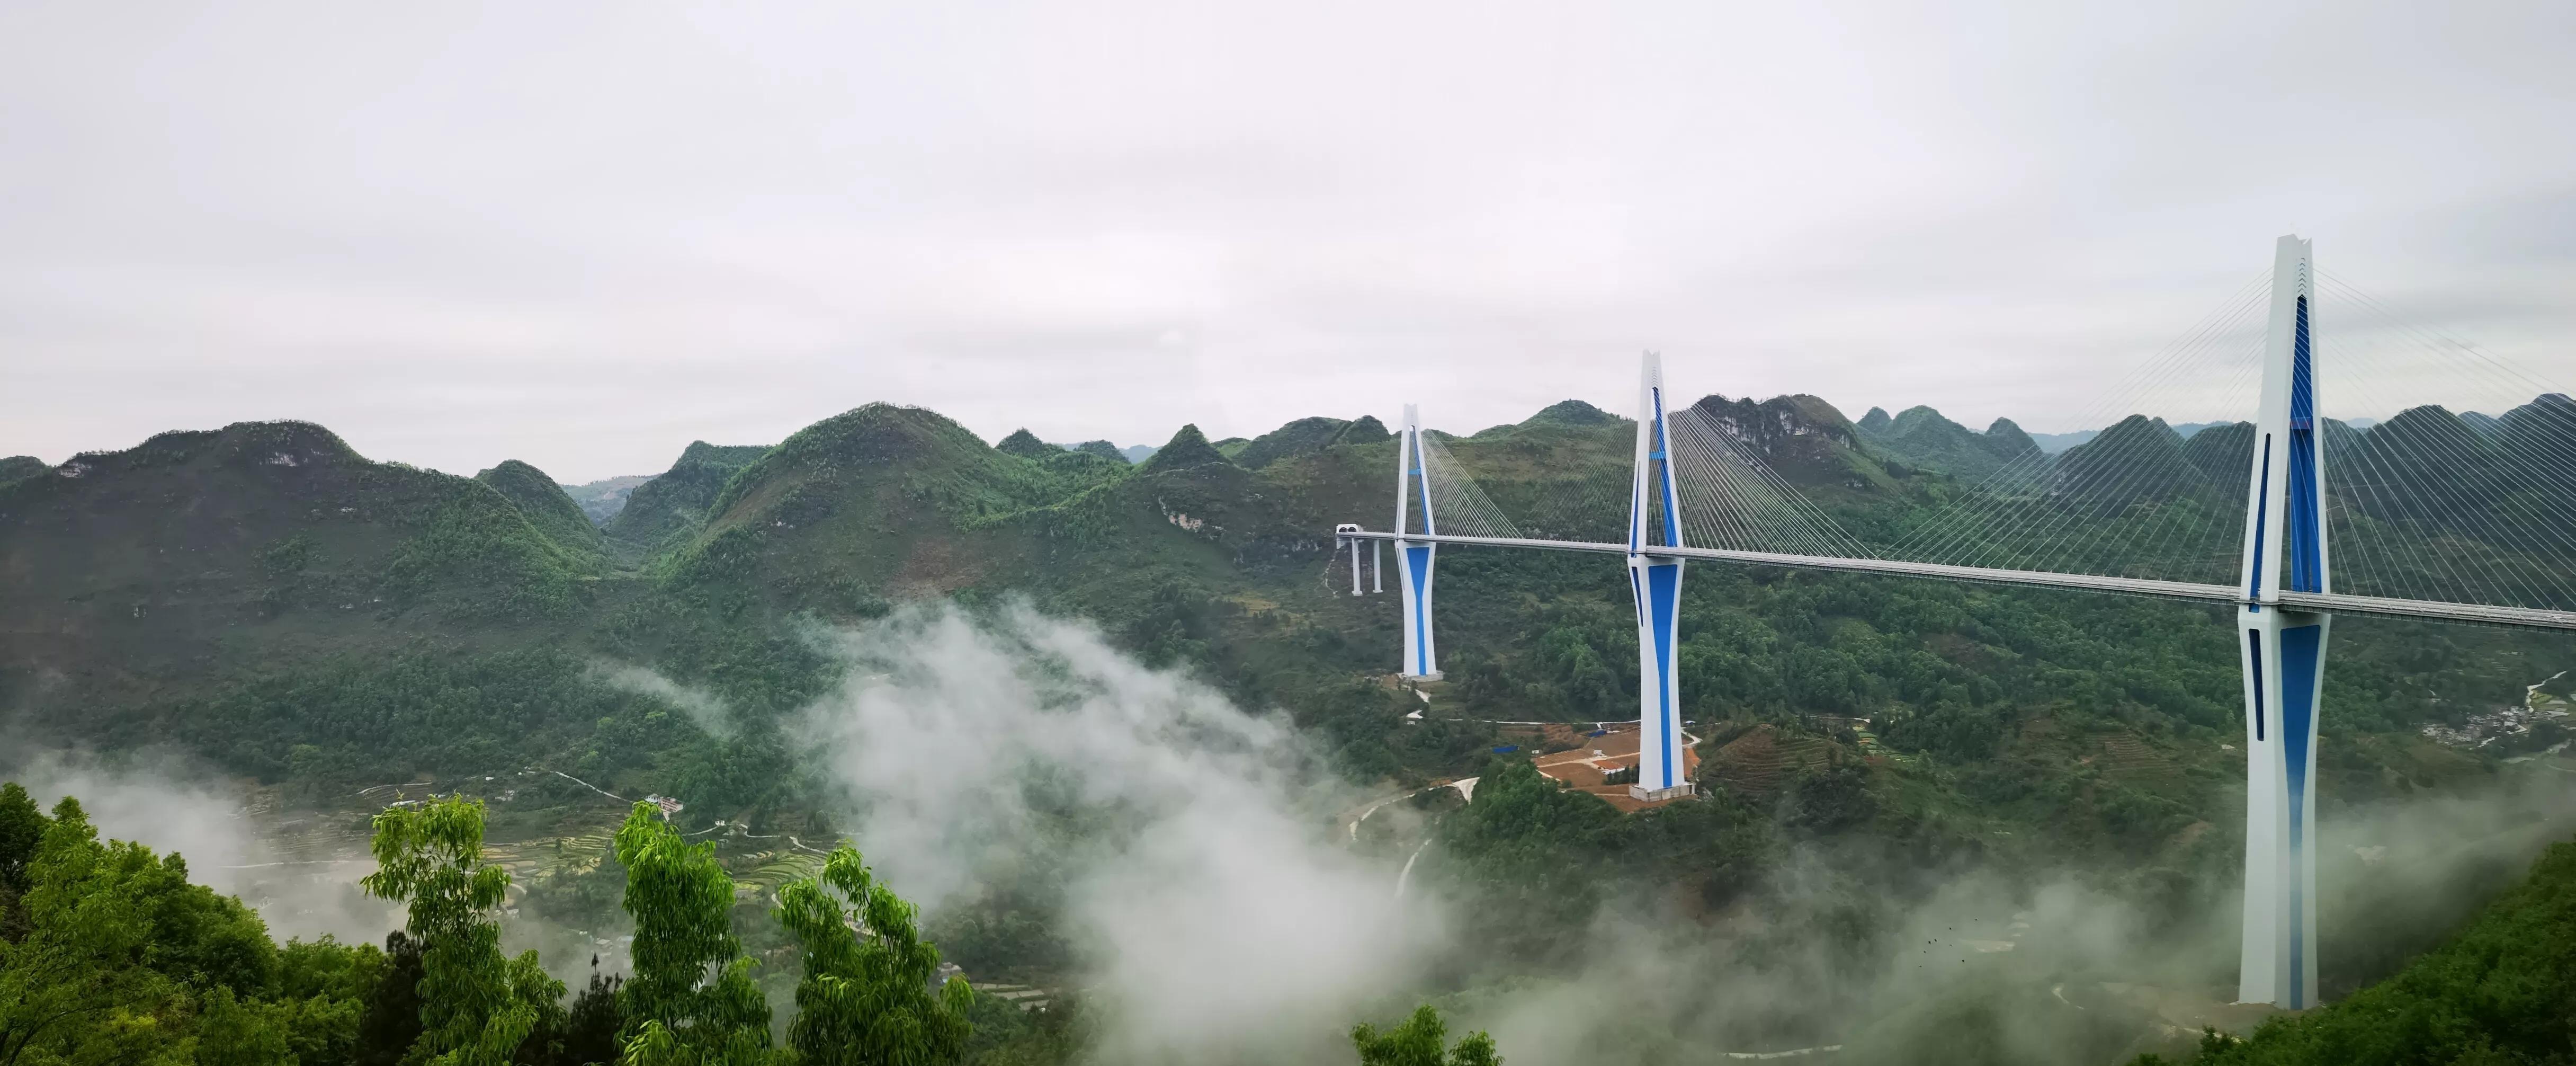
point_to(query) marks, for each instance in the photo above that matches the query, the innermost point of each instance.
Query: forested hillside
(2501, 991)
(275, 592)
(316, 622)
(675, 501)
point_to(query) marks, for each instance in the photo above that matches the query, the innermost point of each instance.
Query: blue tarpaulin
(1506, 749)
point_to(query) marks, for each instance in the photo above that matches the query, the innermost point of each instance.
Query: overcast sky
(584, 235)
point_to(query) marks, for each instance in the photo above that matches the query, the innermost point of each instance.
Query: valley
(324, 635)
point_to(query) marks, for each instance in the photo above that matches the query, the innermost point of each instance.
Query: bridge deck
(2327, 602)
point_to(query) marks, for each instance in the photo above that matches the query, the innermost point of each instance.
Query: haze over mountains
(2053, 443)
(1919, 435)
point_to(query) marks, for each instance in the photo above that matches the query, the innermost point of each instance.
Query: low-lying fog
(1194, 857)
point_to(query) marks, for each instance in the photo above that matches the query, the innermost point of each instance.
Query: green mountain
(1803, 438)
(2542, 433)
(199, 562)
(159, 569)
(1921, 437)
(265, 599)
(1026, 445)
(2009, 438)
(1574, 413)
(2221, 453)
(1187, 448)
(544, 504)
(2137, 459)
(875, 502)
(20, 468)
(1101, 448)
(675, 502)
(1305, 436)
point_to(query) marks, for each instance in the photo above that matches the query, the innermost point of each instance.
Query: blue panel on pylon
(2307, 540)
(2303, 393)
(2299, 650)
(1672, 514)
(2262, 512)
(1663, 585)
(1417, 561)
(2254, 641)
(2306, 532)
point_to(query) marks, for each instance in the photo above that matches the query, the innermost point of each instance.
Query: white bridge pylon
(1654, 521)
(2283, 651)
(2282, 603)
(1413, 558)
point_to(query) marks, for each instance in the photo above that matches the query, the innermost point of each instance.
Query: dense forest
(109, 954)
(313, 624)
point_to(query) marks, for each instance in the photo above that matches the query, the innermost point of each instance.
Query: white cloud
(1206, 889)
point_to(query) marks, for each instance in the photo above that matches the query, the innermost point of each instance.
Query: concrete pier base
(1657, 795)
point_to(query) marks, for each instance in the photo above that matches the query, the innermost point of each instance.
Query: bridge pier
(2284, 656)
(1658, 585)
(2282, 652)
(1413, 558)
(1654, 507)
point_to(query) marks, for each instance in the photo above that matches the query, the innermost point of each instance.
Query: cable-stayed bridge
(2287, 519)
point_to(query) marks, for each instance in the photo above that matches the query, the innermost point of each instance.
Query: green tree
(1529, 854)
(70, 989)
(326, 985)
(22, 827)
(865, 998)
(390, 1022)
(477, 1006)
(590, 1027)
(691, 1000)
(237, 1032)
(2502, 991)
(1418, 1042)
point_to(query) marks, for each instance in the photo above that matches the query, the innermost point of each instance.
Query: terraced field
(1758, 764)
(2126, 757)
(760, 873)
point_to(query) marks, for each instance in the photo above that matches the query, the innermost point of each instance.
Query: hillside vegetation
(292, 612)
(2503, 990)
(674, 503)
(216, 566)
(544, 504)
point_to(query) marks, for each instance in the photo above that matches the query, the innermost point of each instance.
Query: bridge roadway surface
(2326, 602)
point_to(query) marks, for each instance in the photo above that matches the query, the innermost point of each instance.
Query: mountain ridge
(675, 501)
(1922, 437)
